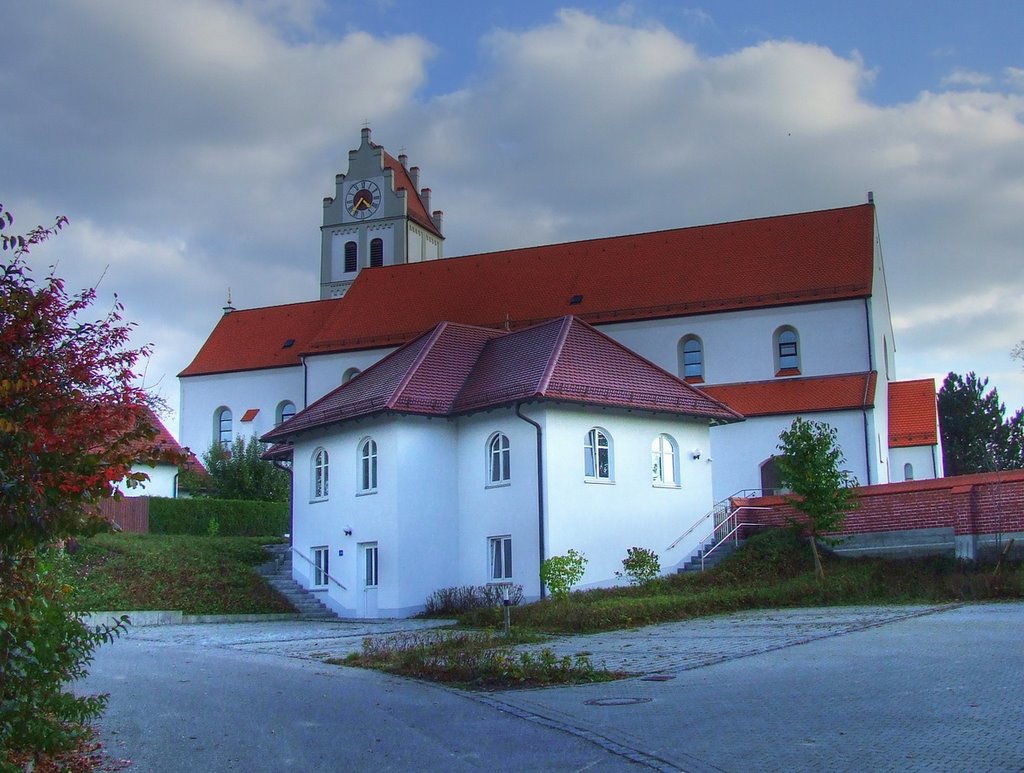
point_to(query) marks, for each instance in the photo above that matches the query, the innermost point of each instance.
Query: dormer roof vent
(576, 300)
(288, 344)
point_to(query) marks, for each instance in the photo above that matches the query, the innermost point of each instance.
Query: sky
(191, 143)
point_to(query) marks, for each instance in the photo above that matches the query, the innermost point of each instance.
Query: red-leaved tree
(73, 422)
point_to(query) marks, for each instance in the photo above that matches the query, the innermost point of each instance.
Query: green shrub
(233, 517)
(560, 573)
(640, 566)
(44, 646)
(460, 599)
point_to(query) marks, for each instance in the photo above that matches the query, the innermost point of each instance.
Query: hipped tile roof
(798, 395)
(772, 261)
(455, 369)
(913, 413)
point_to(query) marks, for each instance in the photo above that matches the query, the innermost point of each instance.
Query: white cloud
(968, 78)
(1014, 77)
(191, 143)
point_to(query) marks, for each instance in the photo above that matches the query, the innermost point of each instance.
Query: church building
(765, 319)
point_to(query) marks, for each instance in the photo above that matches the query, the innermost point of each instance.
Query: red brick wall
(989, 503)
(129, 513)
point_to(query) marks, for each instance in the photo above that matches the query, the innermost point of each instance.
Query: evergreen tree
(975, 436)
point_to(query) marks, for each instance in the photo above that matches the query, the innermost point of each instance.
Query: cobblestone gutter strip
(615, 747)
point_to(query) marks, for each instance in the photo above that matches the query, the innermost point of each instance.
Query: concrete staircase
(726, 549)
(278, 574)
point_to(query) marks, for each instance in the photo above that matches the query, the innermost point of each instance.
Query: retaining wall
(974, 516)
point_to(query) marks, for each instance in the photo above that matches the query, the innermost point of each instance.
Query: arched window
(285, 410)
(368, 466)
(350, 374)
(222, 429)
(376, 252)
(597, 455)
(691, 358)
(770, 476)
(908, 471)
(321, 474)
(665, 461)
(498, 459)
(787, 351)
(351, 258)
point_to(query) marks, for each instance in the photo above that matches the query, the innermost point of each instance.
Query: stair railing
(721, 511)
(717, 541)
(325, 574)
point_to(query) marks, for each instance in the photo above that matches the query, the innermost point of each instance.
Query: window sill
(366, 493)
(502, 484)
(319, 589)
(787, 372)
(694, 379)
(318, 500)
(600, 481)
(666, 485)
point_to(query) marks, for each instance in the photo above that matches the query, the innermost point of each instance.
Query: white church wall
(489, 510)
(738, 450)
(602, 520)
(739, 345)
(203, 396)
(326, 372)
(925, 463)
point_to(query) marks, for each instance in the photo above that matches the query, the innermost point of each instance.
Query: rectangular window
(321, 566)
(500, 550)
(370, 566)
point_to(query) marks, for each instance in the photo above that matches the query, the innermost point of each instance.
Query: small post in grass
(506, 602)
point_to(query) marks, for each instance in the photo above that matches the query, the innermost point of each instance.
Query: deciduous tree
(812, 467)
(72, 424)
(239, 472)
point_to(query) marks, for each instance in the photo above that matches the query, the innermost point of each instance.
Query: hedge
(234, 517)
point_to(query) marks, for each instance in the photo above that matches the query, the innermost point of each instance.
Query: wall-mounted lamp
(695, 453)
(348, 531)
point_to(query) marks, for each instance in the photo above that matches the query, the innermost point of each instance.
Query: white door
(368, 577)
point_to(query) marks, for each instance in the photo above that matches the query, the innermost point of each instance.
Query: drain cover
(657, 678)
(616, 701)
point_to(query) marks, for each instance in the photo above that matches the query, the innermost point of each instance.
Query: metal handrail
(705, 554)
(326, 574)
(747, 493)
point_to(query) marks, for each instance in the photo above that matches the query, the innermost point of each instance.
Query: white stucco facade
(434, 512)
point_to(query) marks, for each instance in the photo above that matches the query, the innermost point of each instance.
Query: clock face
(363, 199)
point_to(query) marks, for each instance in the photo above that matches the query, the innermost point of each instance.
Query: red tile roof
(913, 413)
(772, 261)
(798, 395)
(254, 339)
(165, 441)
(455, 369)
(415, 207)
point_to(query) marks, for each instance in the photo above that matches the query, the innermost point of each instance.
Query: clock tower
(378, 216)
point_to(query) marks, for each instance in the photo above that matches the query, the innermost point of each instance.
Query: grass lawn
(774, 570)
(197, 575)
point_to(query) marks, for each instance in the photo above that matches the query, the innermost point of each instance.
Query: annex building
(455, 420)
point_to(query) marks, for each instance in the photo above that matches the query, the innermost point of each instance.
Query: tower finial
(229, 308)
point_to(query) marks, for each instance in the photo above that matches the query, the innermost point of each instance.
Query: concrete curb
(141, 618)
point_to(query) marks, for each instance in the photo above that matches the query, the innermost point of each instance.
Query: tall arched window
(498, 459)
(597, 455)
(908, 471)
(691, 358)
(787, 350)
(222, 428)
(321, 474)
(376, 252)
(665, 461)
(285, 410)
(351, 257)
(368, 466)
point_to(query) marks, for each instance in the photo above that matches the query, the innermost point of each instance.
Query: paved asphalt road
(851, 689)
